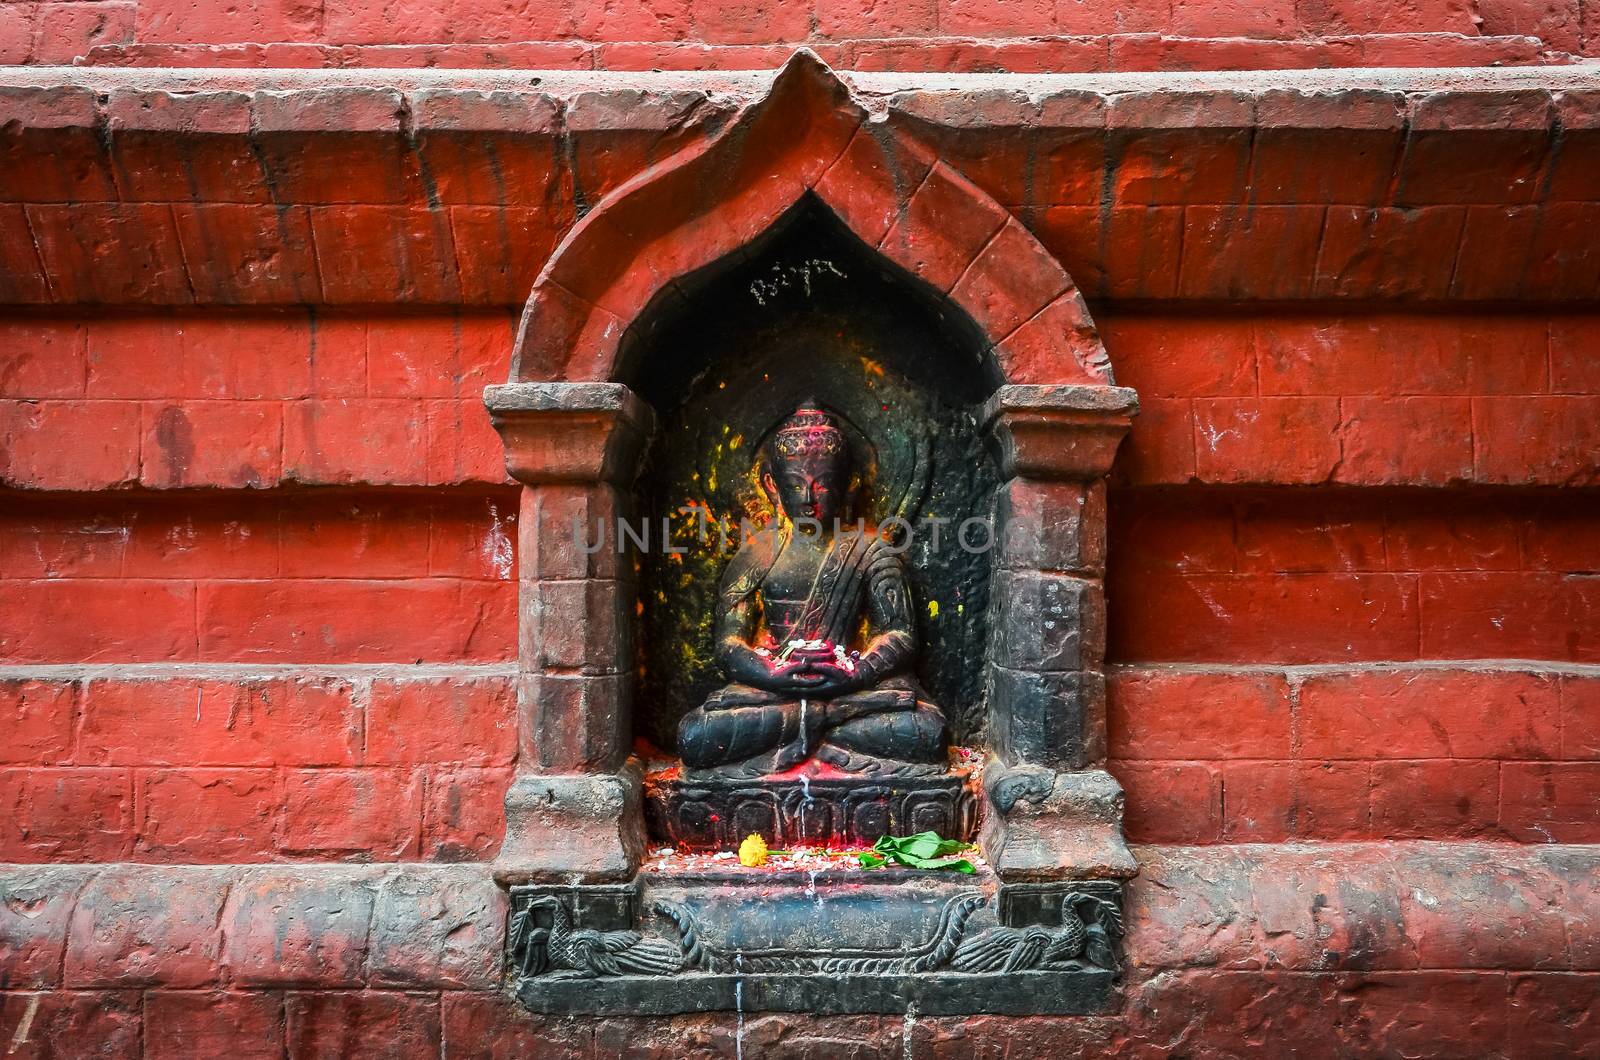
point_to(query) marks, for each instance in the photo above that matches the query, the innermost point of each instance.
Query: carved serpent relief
(544, 941)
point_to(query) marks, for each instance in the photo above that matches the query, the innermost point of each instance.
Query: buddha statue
(814, 629)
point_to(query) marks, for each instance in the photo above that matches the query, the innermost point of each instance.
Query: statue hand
(830, 679)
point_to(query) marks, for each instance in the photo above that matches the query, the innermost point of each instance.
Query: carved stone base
(838, 811)
(839, 941)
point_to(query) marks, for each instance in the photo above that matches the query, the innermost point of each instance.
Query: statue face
(811, 484)
(810, 468)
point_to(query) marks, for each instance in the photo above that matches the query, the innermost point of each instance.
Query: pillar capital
(1058, 432)
(570, 432)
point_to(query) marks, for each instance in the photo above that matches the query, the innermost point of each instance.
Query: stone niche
(807, 324)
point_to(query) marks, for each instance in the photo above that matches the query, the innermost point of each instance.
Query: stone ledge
(1412, 907)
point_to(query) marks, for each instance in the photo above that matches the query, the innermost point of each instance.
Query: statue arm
(893, 640)
(738, 615)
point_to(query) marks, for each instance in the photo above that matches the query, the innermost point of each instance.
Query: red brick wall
(1349, 597)
(1022, 35)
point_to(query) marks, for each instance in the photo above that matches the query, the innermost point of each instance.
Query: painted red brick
(68, 30)
(227, 444)
(386, 1023)
(1555, 802)
(1269, 802)
(1575, 354)
(1411, 713)
(208, 815)
(1190, 357)
(1438, 799)
(1161, 445)
(66, 814)
(351, 813)
(1580, 717)
(1170, 802)
(458, 720)
(263, 722)
(1537, 441)
(1517, 616)
(1310, 535)
(372, 535)
(464, 817)
(1297, 618)
(68, 445)
(1279, 440)
(1433, 536)
(37, 717)
(96, 621)
(290, 620)
(1412, 441)
(1157, 714)
(180, 1025)
(42, 357)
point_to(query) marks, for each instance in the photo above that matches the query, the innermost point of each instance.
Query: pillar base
(573, 827)
(1043, 825)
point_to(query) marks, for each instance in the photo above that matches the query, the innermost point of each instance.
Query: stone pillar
(1053, 811)
(573, 811)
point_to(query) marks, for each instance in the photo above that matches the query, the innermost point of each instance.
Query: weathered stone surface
(35, 907)
(288, 927)
(125, 933)
(436, 927)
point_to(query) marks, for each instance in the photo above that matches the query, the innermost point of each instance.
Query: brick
(1551, 1012)
(74, 541)
(377, 254)
(1290, 618)
(261, 722)
(1287, 441)
(338, 354)
(1005, 18)
(1170, 802)
(211, 160)
(1274, 246)
(171, 21)
(1430, 714)
(375, 442)
(1497, 243)
(1161, 445)
(1158, 714)
(1512, 615)
(1051, 526)
(65, 814)
(1153, 531)
(189, 539)
(372, 536)
(443, 356)
(478, 539)
(1274, 802)
(1563, 264)
(126, 933)
(570, 721)
(1313, 536)
(1387, 253)
(470, 721)
(385, 1023)
(42, 357)
(1556, 802)
(437, 927)
(68, 445)
(1291, 164)
(16, 32)
(357, 814)
(1169, 357)
(1166, 165)
(64, 1025)
(39, 904)
(299, 927)
(499, 250)
(208, 815)
(464, 816)
(183, 1024)
(578, 625)
(37, 717)
(111, 252)
(1437, 799)
(1465, 165)
(1417, 441)
(1545, 441)
(438, 620)
(83, 621)
(1389, 355)
(247, 254)
(928, 241)
(1575, 354)
(226, 444)
(67, 31)
(490, 1025)
(1580, 717)
(1441, 537)
(22, 274)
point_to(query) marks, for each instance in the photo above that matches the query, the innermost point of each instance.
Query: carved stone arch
(808, 135)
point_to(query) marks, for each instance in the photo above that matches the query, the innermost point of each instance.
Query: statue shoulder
(748, 567)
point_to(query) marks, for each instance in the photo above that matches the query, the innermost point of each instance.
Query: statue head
(808, 466)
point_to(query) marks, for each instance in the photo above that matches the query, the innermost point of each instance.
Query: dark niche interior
(808, 313)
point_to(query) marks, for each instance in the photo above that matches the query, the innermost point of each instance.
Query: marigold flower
(753, 851)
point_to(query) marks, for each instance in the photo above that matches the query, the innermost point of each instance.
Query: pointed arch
(807, 135)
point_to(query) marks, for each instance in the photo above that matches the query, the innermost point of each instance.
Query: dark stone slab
(1048, 993)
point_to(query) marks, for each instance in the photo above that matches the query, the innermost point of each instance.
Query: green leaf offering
(925, 850)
